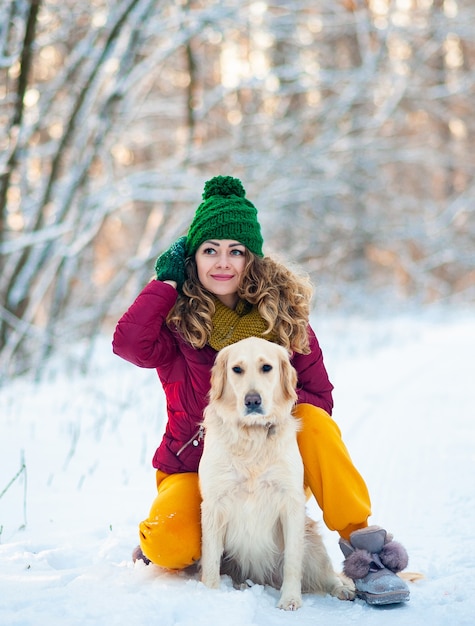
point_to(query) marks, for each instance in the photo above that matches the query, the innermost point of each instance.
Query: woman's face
(220, 264)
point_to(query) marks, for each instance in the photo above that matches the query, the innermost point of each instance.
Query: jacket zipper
(197, 437)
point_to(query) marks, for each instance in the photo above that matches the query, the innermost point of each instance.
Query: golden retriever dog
(254, 525)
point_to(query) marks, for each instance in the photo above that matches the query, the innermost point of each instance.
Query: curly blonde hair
(282, 297)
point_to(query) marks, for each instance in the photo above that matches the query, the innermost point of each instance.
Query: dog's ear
(288, 378)
(218, 376)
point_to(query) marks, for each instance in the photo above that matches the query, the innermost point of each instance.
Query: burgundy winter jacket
(143, 338)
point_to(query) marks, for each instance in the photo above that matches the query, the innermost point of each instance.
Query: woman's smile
(223, 277)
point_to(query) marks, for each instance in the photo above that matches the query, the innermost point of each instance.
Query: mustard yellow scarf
(230, 326)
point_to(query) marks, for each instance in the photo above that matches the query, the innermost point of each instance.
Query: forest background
(351, 124)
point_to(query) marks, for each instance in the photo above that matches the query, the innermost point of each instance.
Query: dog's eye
(237, 369)
(266, 367)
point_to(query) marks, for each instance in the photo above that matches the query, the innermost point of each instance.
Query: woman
(213, 288)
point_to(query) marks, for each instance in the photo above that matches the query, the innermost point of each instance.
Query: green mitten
(171, 264)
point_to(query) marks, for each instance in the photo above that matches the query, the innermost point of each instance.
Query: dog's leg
(293, 525)
(212, 545)
(318, 573)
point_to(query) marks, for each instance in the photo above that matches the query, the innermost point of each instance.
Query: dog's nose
(253, 402)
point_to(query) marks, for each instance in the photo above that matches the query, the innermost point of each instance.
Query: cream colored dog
(254, 524)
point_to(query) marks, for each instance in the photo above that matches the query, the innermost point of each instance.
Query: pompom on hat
(225, 213)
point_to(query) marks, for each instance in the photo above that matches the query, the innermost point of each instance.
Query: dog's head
(255, 379)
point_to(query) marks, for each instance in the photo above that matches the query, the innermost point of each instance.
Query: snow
(405, 401)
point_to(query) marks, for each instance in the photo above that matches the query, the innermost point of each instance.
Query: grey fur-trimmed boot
(372, 560)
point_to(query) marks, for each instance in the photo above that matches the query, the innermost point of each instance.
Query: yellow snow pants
(171, 535)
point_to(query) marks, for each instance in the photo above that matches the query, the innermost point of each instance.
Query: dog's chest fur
(258, 461)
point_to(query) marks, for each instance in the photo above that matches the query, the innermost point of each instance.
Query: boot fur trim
(357, 564)
(394, 556)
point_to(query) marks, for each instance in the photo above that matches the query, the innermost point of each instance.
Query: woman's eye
(237, 252)
(209, 251)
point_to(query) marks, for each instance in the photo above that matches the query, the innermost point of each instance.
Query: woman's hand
(170, 266)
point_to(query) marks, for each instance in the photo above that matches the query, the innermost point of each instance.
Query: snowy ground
(405, 398)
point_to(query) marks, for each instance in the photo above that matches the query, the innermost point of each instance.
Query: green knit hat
(225, 214)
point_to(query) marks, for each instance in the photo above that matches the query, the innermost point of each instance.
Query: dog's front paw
(210, 577)
(212, 582)
(290, 604)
